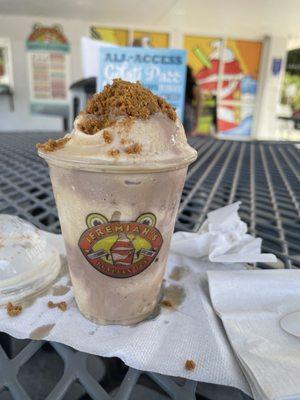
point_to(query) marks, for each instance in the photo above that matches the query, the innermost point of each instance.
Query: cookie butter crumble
(127, 123)
(12, 310)
(52, 144)
(107, 137)
(119, 104)
(113, 152)
(61, 305)
(122, 99)
(135, 148)
(167, 303)
(190, 365)
(89, 125)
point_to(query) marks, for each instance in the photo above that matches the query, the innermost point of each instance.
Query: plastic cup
(117, 224)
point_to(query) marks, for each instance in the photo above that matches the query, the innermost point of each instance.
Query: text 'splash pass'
(163, 71)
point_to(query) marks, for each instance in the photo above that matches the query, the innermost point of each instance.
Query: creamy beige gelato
(156, 140)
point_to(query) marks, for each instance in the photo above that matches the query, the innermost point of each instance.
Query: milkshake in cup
(117, 181)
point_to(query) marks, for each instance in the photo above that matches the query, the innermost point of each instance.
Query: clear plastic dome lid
(28, 263)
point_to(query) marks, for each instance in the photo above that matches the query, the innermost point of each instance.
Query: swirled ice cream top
(124, 124)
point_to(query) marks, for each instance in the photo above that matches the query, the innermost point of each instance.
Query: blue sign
(276, 65)
(163, 71)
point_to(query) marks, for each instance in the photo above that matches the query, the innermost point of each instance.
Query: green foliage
(291, 79)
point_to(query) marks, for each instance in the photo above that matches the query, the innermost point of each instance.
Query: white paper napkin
(222, 238)
(251, 304)
(192, 331)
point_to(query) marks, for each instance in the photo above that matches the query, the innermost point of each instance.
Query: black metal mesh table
(264, 176)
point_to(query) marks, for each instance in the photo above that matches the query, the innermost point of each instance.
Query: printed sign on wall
(226, 72)
(49, 66)
(150, 39)
(237, 91)
(111, 35)
(276, 66)
(161, 70)
(139, 38)
(199, 51)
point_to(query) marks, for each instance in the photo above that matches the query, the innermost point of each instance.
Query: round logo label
(120, 249)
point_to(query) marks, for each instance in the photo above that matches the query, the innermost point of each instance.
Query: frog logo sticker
(120, 249)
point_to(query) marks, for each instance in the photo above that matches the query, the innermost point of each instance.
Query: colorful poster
(206, 73)
(239, 73)
(150, 39)
(49, 67)
(116, 36)
(199, 50)
(161, 70)
(227, 72)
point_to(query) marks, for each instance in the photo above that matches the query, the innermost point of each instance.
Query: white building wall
(269, 89)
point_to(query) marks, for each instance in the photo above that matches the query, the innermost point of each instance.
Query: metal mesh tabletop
(264, 176)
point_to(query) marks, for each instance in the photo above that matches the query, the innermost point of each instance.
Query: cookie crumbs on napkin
(190, 365)
(62, 305)
(190, 331)
(12, 310)
(167, 303)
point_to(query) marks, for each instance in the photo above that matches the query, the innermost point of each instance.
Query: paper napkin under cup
(190, 330)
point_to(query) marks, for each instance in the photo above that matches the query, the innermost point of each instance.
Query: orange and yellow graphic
(116, 36)
(247, 53)
(153, 39)
(198, 51)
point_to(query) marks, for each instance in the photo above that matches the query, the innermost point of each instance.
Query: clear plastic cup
(117, 224)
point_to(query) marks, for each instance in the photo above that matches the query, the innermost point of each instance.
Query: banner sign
(161, 70)
(49, 70)
(276, 66)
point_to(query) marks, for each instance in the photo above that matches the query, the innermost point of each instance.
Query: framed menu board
(49, 70)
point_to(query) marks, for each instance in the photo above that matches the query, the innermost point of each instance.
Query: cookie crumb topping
(13, 310)
(52, 144)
